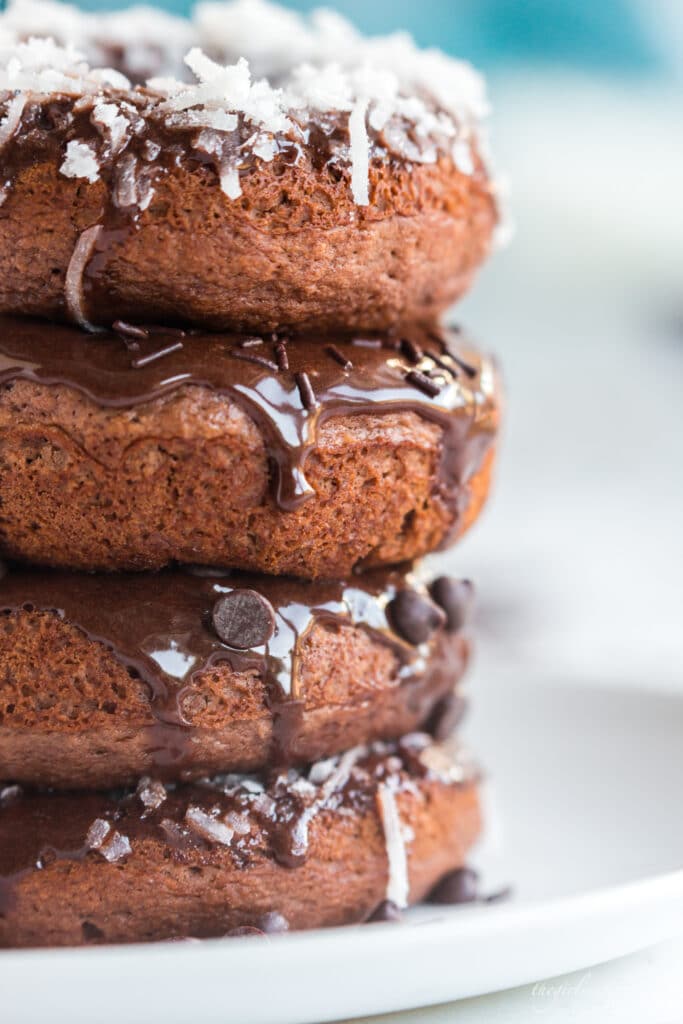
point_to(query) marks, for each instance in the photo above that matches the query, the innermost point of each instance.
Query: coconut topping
(261, 76)
(209, 826)
(8, 794)
(111, 844)
(80, 162)
(151, 792)
(397, 859)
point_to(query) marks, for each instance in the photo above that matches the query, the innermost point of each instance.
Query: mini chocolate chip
(387, 910)
(414, 617)
(339, 357)
(90, 932)
(459, 886)
(243, 619)
(456, 598)
(248, 357)
(446, 717)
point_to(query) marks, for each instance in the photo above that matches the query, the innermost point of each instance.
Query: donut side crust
(186, 478)
(72, 716)
(293, 250)
(153, 895)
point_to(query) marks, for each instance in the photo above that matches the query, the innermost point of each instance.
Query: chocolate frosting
(160, 627)
(290, 386)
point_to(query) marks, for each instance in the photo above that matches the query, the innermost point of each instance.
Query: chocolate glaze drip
(241, 814)
(290, 405)
(160, 628)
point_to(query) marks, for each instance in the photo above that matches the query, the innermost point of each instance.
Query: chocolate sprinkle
(421, 381)
(243, 619)
(303, 382)
(129, 330)
(414, 617)
(499, 896)
(466, 367)
(411, 351)
(456, 598)
(142, 361)
(444, 365)
(248, 357)
(339, 357)
(281, 356)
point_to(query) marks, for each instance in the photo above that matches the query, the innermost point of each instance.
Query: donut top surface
(263, 83)
(290, 386)
(241, 814)
(167, 628)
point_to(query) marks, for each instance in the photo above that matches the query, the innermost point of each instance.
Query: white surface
(593, 837)
(643, 987)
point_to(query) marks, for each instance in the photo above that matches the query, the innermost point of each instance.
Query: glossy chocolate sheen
(160, 628)
(290, 386)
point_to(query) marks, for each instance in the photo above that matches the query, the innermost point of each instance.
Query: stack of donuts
(231, 425)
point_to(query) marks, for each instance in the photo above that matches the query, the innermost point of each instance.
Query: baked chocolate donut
(183, 674)
(347, 187)
(320, 847)
(306, 455)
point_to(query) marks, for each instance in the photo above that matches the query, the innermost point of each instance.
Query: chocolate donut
(183, 674)
(306, 455)
(319, 847)
(344, 187)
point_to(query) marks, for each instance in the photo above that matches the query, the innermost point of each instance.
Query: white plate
(588, 783)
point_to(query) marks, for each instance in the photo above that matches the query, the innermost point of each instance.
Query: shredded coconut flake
(73, 281)
(116, 848)
(8, 794)
(335, 781)
(12, 118)
(208, 827)
(97, 833)
(108, 118)
(151, 793)
(80, 162)
(397, 884)
(360, 153)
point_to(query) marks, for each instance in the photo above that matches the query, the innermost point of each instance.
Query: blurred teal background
(617, 35)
